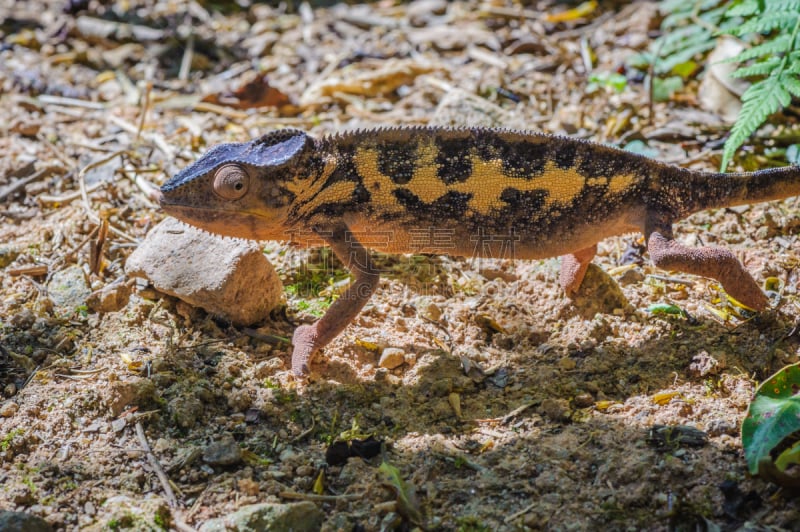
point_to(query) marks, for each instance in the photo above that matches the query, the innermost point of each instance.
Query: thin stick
(9, 189)
(67, 198)
(321, 498)
(162, 476)
(145, 107)
(71, 102)
(520, 513)
(186, 60)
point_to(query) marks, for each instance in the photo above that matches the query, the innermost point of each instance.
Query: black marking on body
(564, 154)
(454, 158)
(452, 206)
(397, 160)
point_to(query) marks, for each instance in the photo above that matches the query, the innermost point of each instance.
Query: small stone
(186, 410)
(410, 358)
(269, 517)
(223, 452)
(566, 364)
(704, 364)
(392, 357)
(304, 471)
(587, 345)
(135, 392)
(110, 298)
(8, 409)
(432, 312)
(555, 409)
(633, 276)
(226, 277)
(584, 400)
(22, 522)
(598, 293)
(68, 289)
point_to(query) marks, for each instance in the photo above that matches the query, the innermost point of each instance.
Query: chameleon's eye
(231, 182)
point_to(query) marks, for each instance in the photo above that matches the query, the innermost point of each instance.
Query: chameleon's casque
(467, 192)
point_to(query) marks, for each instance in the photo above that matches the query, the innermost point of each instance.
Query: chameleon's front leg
(308, 339)
(716, 263)
(573, 269)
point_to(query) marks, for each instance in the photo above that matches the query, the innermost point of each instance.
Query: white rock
(226, 277)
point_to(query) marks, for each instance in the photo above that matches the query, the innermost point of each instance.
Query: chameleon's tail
(717, 190)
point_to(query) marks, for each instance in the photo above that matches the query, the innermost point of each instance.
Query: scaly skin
(463, 192)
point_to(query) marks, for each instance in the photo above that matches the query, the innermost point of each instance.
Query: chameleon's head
(239, 189)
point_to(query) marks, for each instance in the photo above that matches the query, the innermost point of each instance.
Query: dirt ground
(515, 408)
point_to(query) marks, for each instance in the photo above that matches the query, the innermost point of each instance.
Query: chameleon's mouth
(235, 224)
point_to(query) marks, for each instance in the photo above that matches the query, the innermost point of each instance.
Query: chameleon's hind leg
(308, 339)
(573, 268)
(716, 263)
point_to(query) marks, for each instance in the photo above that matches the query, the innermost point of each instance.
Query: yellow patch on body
(621, 183)
(426, 184)
(340, 192)
(485, 185)
(305, 190)
(377, 184)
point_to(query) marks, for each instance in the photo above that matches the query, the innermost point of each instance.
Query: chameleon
(478, 192)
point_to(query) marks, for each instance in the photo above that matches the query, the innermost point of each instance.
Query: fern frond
(682, 37)
(782, 20)
(760, 100)
(666, 65)
(778, 45)
(744, 9)
(782, 5)
(763, 68)
(792, 84)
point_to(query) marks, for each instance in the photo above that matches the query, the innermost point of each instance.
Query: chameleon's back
(453, 190)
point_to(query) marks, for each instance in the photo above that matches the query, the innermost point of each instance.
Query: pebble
(110, 298)
(223, 452)
(566, 364)
(583, 400)
(68, 289)
(8, 409)
(392, 357)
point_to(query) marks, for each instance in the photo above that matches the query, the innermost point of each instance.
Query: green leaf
(773, 416)
(760, 100)
(664, 88)
(608, 80)
(788, 457)
(407, 503)
(686, 70)
(665, 308)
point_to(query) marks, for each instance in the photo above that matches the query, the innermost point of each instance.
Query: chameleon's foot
(573, 269)
(716, 263)
(304, 342)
